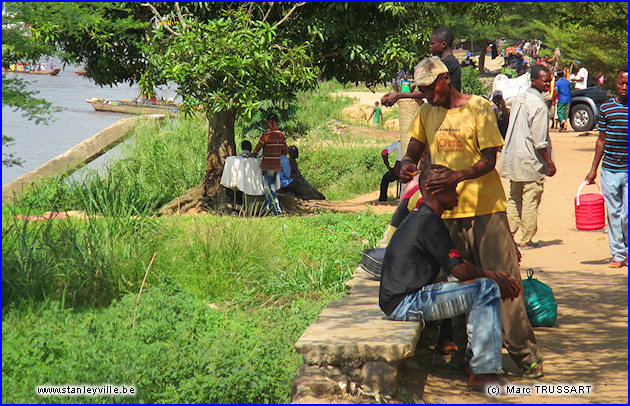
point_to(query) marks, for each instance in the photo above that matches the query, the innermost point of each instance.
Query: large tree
(229, 59)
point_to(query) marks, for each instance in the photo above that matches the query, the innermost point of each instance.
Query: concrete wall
(80, 154)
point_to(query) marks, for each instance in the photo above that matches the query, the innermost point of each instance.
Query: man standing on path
(440, 45)
(408, 291)
(581, 77)
(612, 146)
(462, 134)
(563, 87)
(273, 142)
(526, 156)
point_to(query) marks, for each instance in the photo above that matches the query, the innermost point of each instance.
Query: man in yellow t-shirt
(462, 134)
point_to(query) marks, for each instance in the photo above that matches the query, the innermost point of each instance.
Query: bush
(509, 72)
(471, 84)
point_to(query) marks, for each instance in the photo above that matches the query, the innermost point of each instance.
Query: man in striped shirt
(273, 144)
(612, 149)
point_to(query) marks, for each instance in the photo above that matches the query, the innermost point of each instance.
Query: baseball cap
(428, 70)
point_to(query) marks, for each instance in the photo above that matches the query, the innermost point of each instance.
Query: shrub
(509, 72)
(471, 84)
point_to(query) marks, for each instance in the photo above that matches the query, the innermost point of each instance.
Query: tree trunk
(220, 145)
(482, 60)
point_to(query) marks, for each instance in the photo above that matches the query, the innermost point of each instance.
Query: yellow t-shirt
(455, 138)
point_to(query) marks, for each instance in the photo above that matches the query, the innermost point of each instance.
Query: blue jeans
(480, 300)
(615, 191)
(271, 197)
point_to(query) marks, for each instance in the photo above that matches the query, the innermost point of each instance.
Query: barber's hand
(590, 177)
(406, 171)
(510, 288)
(551, 169)
(444, 177)
(389, 99)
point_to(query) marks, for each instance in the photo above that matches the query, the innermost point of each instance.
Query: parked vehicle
(584, 107)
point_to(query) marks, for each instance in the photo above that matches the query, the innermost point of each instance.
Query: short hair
(246, 145)
(292, 148)
(272, 117)
(537, 70)
(622, 69)
(445, 34)
(429, 173)
(560, 73)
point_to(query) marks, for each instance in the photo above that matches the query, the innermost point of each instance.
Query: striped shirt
(273, 144)
(613, 122)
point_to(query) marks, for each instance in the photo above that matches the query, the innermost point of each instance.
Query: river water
(78, 121)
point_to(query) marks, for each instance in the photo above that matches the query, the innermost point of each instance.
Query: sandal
(615, 264)
(533, 371)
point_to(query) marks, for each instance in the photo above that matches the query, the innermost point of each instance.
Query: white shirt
(395, 146)
(582, 73)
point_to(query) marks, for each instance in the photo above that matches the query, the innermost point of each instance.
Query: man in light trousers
(526, 156)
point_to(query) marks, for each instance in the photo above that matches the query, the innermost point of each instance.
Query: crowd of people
(31, 67)
(279, 161)
(454, 214)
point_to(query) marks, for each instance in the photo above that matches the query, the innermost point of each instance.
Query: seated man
(392, 174)
(418, 249)
(294, 183)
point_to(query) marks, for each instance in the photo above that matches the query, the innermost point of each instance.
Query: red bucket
(589, 210)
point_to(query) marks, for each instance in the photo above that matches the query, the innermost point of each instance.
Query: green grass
(70, 286)
(270, 278)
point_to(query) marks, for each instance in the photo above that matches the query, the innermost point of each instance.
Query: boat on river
(33, 72)
(131, 107)
(80, 72)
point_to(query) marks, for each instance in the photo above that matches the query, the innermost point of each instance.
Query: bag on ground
(373, 261)
(541, 306)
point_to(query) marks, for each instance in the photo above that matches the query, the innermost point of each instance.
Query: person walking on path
(526, 156)
(408, 291)
(376, 115)
(461, 132)
(273, 143)
(563, 87)
(611, 149)
(440, 45)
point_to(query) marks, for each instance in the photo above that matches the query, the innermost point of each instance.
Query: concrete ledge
(353, 336)
(80, 154)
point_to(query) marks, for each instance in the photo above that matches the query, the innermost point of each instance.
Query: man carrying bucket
(526, 157)
(612, 149)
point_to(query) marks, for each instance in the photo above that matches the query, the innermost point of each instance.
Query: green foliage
(181, 351)
(341, 171)
(269, 276)
(471, 84)
(232, 63)
(509, 72)
(297, 116)
(87, 262)
(162, 162)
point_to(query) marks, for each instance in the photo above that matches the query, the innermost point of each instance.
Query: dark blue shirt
(613, 121)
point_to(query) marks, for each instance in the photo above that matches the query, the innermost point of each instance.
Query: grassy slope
(70, 286)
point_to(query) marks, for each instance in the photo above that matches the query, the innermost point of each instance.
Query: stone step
(353, 335)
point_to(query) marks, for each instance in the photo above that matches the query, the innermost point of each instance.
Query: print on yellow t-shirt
(455, 138)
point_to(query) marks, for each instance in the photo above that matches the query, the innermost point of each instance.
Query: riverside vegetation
(226, 297)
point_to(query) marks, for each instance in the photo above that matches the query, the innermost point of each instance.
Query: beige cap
(428, 70)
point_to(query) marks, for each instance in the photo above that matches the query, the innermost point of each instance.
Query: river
(78, 121)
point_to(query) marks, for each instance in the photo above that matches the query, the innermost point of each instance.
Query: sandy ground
(589, 343)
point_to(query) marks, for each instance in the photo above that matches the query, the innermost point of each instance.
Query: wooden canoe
(34, 72)
(117, 106)
(80, 72)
